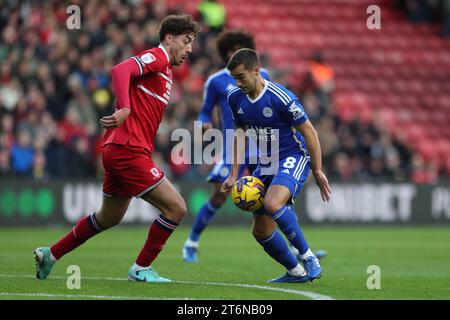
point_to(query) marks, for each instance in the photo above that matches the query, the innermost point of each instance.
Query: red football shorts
(129, 171)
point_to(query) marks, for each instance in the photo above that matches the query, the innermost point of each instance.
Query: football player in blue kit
(215, 93)
(275, 116)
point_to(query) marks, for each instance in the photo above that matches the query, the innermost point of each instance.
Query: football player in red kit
(142, 86)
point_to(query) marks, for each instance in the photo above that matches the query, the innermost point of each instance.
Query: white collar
(266, 85)
(164, 50)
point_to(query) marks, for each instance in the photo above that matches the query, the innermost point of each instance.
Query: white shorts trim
(150, 188)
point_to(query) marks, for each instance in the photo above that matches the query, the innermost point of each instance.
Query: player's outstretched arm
(313, 145)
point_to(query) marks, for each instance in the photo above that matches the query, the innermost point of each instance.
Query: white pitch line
(309, 294)
(78, 296)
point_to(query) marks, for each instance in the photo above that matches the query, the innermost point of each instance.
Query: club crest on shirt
(297, 113)
(148, 58)
(267, 112)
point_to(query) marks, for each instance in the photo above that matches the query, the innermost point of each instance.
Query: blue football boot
(312, 267)
(288, 278)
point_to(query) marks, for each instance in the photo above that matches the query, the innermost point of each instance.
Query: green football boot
(43, 262)
(146, 275)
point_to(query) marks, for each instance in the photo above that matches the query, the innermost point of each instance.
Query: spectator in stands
(38, 171)
(54, 84)
(446, 14)
(428, 11)
(418, 10)
(5, 163)
(22, 153)
(213, 14)
(421, 173)
(341, 168)
(321, 73)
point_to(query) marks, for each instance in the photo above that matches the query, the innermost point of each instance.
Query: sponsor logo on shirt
(148, 58)
(296, 111)
(261, 134)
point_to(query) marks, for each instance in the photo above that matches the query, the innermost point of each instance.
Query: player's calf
(112, 211)
(218, 198)
(176, 211)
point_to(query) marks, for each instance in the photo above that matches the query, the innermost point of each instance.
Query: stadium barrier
(65, 201)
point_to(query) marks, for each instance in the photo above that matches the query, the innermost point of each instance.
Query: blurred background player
(258, 103)
(215, 93)
(142, 85)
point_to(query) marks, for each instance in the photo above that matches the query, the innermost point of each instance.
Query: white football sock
(137, 267)
(52, 257)
(297, 271)
(307, 254)
(190, 243)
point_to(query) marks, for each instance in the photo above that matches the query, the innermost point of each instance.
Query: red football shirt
(149, 93)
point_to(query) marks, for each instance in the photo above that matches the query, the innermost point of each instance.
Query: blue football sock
(204, 216)
(287, 221)
(277, 248)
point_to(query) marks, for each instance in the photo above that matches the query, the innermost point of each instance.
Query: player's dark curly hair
(233, 39)
(178, 24)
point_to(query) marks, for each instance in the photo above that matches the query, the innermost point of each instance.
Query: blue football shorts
(293, 171)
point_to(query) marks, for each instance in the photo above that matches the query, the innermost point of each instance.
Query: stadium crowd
(428, 11)
(55, 86)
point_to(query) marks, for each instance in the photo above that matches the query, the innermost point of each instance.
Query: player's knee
(182, 210)
(261, 232)
(176, 211)
(272, 205)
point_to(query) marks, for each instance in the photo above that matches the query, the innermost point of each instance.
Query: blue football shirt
(215, 93)
(276, 108)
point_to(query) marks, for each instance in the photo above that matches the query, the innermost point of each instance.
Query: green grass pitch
(414, 263)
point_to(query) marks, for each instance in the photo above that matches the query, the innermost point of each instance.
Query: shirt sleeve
(295, 113)
(150, 61)
(120, 75)
(232, 103)
(210, 98)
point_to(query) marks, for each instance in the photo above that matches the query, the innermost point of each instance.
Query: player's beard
(180, 60)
